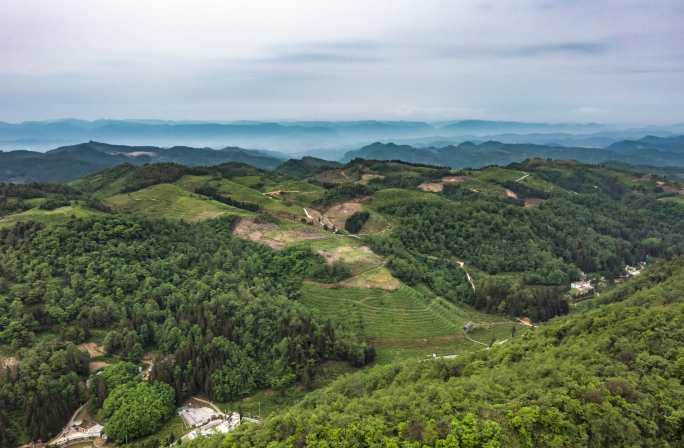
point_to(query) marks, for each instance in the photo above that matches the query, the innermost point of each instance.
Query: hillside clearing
(56, 216)
(171, 202)
(276, 236)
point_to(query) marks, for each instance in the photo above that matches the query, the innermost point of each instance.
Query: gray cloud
(527, 51)
(556, 60)
(316, 57)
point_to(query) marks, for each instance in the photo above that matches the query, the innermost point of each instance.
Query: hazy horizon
(602, 61)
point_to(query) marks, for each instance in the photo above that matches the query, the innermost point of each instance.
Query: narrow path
(212, 405)
(68, 425)
(523, 177)
(473, 340)
(470, 279)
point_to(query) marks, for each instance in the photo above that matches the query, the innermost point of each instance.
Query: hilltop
(71, 162)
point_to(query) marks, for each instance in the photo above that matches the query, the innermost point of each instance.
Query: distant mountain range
(71, 162)
(302, 136)
(650, 150)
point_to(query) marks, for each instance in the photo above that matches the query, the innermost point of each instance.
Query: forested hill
(218, 311)
(231, 282)
(650, 150)
(610, 376)
(71, 162)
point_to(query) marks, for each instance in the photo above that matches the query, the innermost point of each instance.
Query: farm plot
(405, 323)
(171, 202)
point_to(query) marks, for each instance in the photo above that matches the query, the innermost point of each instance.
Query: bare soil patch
(376, 278)
(97, 365)
(365, 178)
(338, 214)
(93, 349)
(434, 187)
(358, 258)
(510, 194)
(455, 179)
(274, 236)
(8, 363)
(533, 202)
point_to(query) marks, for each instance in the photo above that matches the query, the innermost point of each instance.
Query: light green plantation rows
(405, 322)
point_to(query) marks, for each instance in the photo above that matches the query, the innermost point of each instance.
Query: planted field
(405, 322)
(499, 175)
(56, 216)
(171, 202)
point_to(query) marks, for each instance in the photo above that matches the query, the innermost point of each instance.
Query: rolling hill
(71, 162)
(654, 151)
(231, 271)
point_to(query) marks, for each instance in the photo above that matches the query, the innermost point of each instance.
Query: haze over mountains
(650, 150)
(70, 162)
(310, 136)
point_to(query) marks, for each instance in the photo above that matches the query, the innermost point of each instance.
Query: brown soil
(510, 194)
(455, 179)
(9, 362)
(97, 365)
(93, 349)
(375, 278)
(338, 214)
(365, 178)
(533, 202)
(434, 187)
(272, 235)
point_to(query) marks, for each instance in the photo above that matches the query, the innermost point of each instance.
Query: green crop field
(406, 323)
(172, 202)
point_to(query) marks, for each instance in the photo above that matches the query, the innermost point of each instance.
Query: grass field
(246, 189)
(56, 216)
(405, 323)
(498, 175)
(171, 202)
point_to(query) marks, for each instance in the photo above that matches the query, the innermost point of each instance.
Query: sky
(612, 61)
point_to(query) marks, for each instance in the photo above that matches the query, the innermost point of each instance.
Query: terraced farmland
(405, 322)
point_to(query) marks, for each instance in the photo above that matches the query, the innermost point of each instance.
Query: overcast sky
(551, 60)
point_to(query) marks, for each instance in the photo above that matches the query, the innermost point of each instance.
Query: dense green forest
(222, 307)
(610, 375)
(592, 223)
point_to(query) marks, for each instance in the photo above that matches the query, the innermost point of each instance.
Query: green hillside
(170, 202)
(612, 375)
(406, 323)
(243, 285)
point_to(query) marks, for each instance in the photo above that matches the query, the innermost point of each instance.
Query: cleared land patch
(338, 214)
(171, 202)
(93, 349)
(378, 277)
(433, 187)
(56, 216)
(277, 237)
